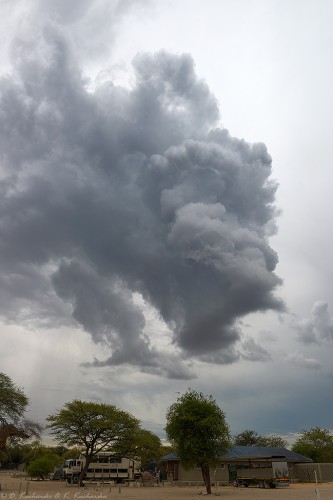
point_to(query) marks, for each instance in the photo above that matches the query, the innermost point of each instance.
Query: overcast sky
(166, 206)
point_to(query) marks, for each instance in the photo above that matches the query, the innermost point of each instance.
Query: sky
(166, 207)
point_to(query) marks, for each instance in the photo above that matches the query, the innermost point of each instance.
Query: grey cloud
(267, 336)
(89, 26)
(252, 351)
(150, 361)
(224, 356)
(300, 360)
(117, 191)
(107, 311)
(318, 328)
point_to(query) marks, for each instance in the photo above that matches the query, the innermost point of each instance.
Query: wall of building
(219, 474)
(305, 472)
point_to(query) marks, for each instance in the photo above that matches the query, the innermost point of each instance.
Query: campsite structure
(242, 465)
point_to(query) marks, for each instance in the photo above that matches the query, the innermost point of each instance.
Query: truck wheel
(75, 479)
(271, 484)
(261, 484)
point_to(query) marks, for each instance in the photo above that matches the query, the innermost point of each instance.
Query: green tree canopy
(43, 465)
(274, 440)
(247, 438)
(13, 401)
(250, 437)
(92, 426)
(13, 405)
(144, 446)
(198, 430)
(315, 443)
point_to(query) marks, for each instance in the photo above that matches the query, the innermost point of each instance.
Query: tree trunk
(206, 477)
(80, 482)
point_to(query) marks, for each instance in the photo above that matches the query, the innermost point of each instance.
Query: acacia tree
(92, 426)
(315, 443)
(13, 401)
(13, 405)
(198, 430)
(252, 438)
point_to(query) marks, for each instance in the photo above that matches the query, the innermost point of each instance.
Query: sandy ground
(20, 488)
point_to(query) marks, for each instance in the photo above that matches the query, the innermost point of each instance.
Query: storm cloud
(118, 191)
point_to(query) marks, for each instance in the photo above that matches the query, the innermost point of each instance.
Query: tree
(166, 449)
(274, 440)
(148, 447)
(29, 452)
(144, 446)
(315, 443)
(197, 428)
(13, 401)
(42, 466)
(247, 438)
(13, 405)
(94, 426)
(252, 438)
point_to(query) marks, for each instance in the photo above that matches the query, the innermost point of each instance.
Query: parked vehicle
(273, 476)
(105, 466)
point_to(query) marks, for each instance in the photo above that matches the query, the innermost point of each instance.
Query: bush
(42, 466)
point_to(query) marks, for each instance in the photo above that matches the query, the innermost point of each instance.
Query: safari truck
(277, 474)
(104, 466)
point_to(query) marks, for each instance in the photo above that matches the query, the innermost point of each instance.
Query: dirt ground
(17, 488)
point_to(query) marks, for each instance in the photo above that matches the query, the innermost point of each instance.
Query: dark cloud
(120, 191)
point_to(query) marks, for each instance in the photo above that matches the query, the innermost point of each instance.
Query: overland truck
(105, 466)
(273, 476)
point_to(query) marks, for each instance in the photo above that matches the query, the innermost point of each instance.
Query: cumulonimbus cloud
(131, 190)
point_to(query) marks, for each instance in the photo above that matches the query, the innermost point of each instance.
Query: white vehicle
(273, 476)
(105, 466)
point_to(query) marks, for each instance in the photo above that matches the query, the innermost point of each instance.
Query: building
(237, 457)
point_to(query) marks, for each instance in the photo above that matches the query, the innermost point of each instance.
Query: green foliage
(252, 438)
(315, 443)
(29, 452)
(198, 430)
(71, 453)
(92, 426)
(43, 465)
(166, 449)
(17, 454)
(247, 438)
(146, 447)
(274, 440)
(13, 401)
